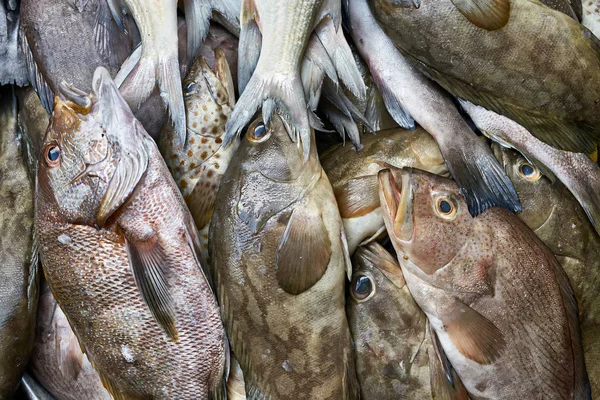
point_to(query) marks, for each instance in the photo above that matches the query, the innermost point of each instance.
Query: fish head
(426, 217)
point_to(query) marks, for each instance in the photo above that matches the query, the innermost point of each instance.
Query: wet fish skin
(128, 252)
(353, 175)
(487, 275)
(277, 250)
(573, 8)
(552, 212)
(18, 257)
(12, 68)
(562, 62)
(33, 118)
(591, 16)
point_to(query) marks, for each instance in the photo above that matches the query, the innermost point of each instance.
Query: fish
(497, 298)
(120, 252)
(548, 80)
(409, 96)
(236, 389)
(552, 212)
(273, 40)
(353, 175)
(279, 264)
(577, 171)
(159, 61)
(18, 248)
(395, 354)
(572, 8)
(57, 362)
(198, 167)
(13, 69)
(591, 16)
(33, 119)
(31, 389)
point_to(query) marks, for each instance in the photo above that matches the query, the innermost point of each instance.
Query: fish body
(591, 16)
(120, 252)
(13, 68)
(552, 212)
(546, 78)
(18, 257)
(279, 262)
(353, 175)
(57, 361)
(199, 165)
(496, 296)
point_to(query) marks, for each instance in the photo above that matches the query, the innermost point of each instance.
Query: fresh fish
(57, 361)
(570, 7)
(556, 218)
(270, 73)
(18, 254)
(159, 62)
(392, 343)
(120, 252)
(547, 78)
(220, 38)
(496, 296)
(33, 118)
(353, 175)
(577, 171)
(591, 16)
(408, 94)
(199, 165)
(13, 68)
(279, 260)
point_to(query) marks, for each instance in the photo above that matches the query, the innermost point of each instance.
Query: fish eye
(362, 288)
(52, 155)
(446, 208)
(528, 171)
(258, 132)
(190, 87)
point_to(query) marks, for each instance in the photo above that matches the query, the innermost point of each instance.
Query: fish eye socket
(52, 155)
(529, 172)
(446, 208)
(190, 87)
(362, 287)
(258, 132)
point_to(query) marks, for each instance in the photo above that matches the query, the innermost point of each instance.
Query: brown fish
(353, 175)
(395, 353)
(279, 260)
(552, 212)
(18, 257)
(496, 296)
(120, 252)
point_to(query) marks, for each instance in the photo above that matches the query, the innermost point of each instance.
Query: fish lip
(397, 190)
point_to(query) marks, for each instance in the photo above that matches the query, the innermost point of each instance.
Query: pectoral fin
(304, 252)
(358, 196)
(486, 14)
(69, 356)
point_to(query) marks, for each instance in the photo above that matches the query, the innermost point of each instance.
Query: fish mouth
(396, 194)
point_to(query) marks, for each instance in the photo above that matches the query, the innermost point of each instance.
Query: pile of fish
(300, 199)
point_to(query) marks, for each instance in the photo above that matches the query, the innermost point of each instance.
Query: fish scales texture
(541, 69)
(89, 272)
(270, 204)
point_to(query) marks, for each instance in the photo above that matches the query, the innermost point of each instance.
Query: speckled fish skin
(495, 295)
(552, 212)
(199, 165)
(392, 345)
(119, 251)
(57, 361)
(546, 78)
(277, 249)
(18, 265)
(591, 16)
(353, 175)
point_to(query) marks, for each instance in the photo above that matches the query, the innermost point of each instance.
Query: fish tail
(169, 82)
(249, 48)
(197, 19)
(482, 180)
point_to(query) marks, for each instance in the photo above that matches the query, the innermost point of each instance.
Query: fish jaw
(396, 196)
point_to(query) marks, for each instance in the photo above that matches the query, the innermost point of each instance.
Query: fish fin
(486, 14)
(128, 65)
(445, 383)
(223, 72)
(341, 101)
(303, 253)
(341, 56)
(376, 113)
(482, 181)
(108, 36)
(69, 356)
(342, 123)
(116, 7)
(473, 335)
(377, 255)
(358, 196)
(197, 20)
(149, 265)
(115, 391)
(33, 281)
(249, 45)
(331, 9)
(394, 106)
(36, 78)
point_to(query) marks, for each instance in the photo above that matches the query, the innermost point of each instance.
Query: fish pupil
(259, 130)
(53, 153)
(189, 87)
(445, 207)
(362, 286)
(527, 170)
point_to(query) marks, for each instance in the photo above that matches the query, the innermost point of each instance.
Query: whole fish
(591, 16)
(199, 165)
(547, 78)
(353, 175)
(408, 94)
(120, 252)
(279, 260)
(57, 361)
(18, 255)
(556, 218)
(395, 354)
(577, 171)
(273, 39)
(496, 296)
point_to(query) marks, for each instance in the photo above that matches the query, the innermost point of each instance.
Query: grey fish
(13, 68)
(591, 16)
